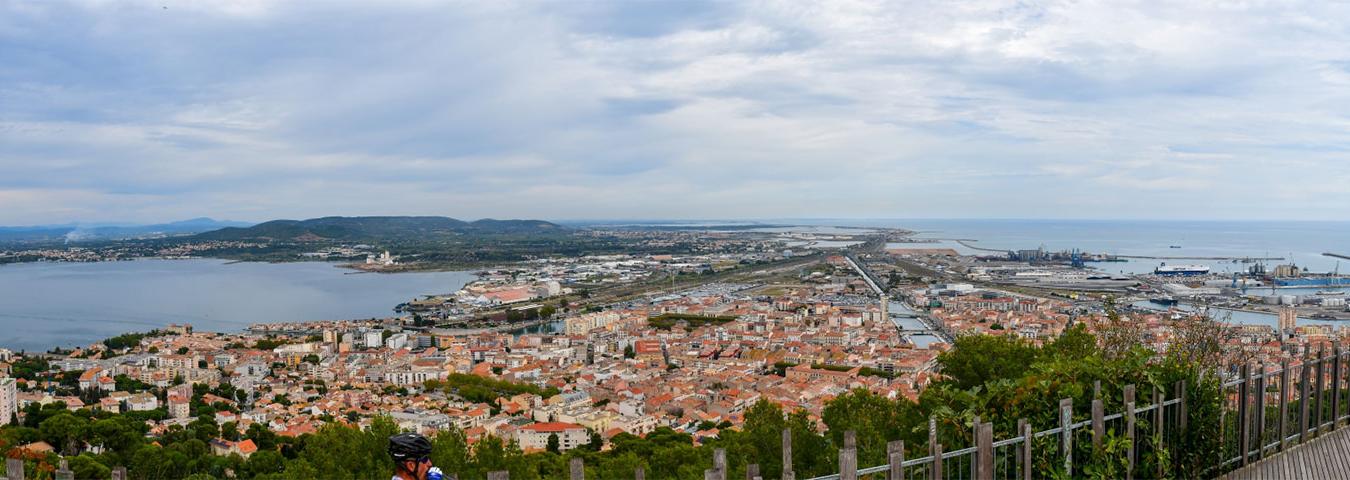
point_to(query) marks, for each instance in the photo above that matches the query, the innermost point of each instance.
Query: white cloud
(255, 110)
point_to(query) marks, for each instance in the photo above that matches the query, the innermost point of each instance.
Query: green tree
(62, 431)
(976, 360)
(265, 462)
(552, 443)
(87, 465)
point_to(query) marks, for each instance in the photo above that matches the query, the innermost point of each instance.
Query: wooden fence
(988, 459)
(1270, 408)
(1266, 410)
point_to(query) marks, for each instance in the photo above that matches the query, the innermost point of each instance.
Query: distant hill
(96, 232)
(377, 228)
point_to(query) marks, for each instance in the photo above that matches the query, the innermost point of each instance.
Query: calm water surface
(63, 304)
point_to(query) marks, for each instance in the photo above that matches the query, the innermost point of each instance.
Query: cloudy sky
(133, 111)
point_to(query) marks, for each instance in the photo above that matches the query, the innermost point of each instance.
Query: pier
(1221, 259)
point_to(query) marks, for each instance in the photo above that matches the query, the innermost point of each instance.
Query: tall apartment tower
(1288, 319)
(9, 401)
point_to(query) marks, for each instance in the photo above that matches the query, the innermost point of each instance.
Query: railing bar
(1115, 416)
(957, 453)
(871, 470)
(916, 461)
(1010, 441)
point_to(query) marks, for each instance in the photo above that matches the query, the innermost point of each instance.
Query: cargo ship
(1181, 270)
(1164, 300)
(1310, 282)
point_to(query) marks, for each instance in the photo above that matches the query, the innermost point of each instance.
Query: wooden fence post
(639, 474)
(752, 471)
(499, 475)
(895, 460)
(119, 473)
(576, 469)
(719, 470)
(1129, 431)
(1098, 424)
(974, 439)
(787, 455)
(984, 443)
(13, 469)
(1321, 372)
(1066, 442)
(63, 471)
(934, 449)
(1026, 449)
(1260, 393)
(1184, 414)
(1284, 404)
(1158, 401)
(937, 461)
(848, 457)
(1304, 378)
(1336, 384)
(1244, 413)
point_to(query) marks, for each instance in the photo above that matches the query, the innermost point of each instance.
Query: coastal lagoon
(43, 305)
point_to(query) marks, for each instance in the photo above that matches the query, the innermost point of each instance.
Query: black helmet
(409, 446)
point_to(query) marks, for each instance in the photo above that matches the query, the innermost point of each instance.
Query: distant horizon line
(678, 221)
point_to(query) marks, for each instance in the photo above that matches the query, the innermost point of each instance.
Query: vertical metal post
(1284, 404)
(787, 455)
(848, 457)
(895, 459)
(1244, 414)
(1066, 424)
(984, 443)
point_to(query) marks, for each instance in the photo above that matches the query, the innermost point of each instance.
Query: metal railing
(1266, 410)
(1018, 458)
(1029, 454)
(1270, 408)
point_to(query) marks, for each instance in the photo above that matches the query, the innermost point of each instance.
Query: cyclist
(412, 457)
